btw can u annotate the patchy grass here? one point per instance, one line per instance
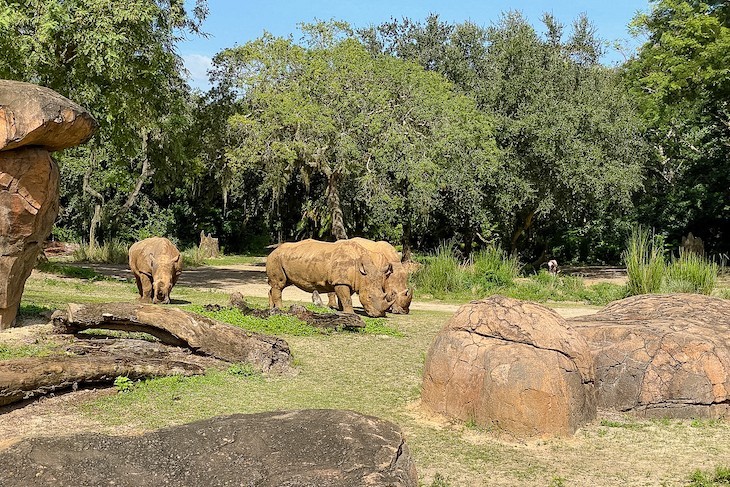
(225, 260)
(379, 374)
(69, 270)
(19, 351)
(288, 325)
(720, 477)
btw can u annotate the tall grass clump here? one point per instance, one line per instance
(192, 257)
(691, 273)
(492, 267)
(441, 274)
(112, 252)
(645, 264)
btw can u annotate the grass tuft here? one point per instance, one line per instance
(691, 273)
(112, 252)
(645, 263)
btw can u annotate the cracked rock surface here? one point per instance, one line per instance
(662, 355)
(310, 448)
(33, 121)
(511, 365)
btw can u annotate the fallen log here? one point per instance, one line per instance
(176, 327)
(29, 377)
(331, 321)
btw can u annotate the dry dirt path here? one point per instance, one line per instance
(250, 280)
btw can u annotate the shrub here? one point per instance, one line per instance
(691, 273)
(645, 264)
(441, 274)
(112, 252)
(492, 267)
(192, 257)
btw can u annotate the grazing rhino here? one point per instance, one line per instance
(156, 265)
(342, 267)
(396, 284)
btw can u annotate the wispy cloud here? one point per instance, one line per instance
(198, 66)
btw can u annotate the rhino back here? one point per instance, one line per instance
(313, 265)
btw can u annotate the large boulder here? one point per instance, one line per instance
(511, 365)
(313, 448)
(662, 355)
(32, 115)
(33, 121)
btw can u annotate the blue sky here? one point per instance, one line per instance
(235, 22)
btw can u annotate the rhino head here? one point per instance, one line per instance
(396, 289)
(165, 271)
(372, 293)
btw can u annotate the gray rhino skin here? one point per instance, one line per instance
(156, 265)
(341, 267)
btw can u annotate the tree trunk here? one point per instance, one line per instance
(96, 219)
(333, 202)
(179, 328)
(406, 240)
(526, 224)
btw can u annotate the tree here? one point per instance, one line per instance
(681, 81)
(381, 130)
(570, 140)
(117, 59)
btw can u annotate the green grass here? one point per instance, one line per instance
(68, 270)
(691, 273)
(112, 252)
(287, 325)
(721, 476)
(19, 351)
(645, 263)
(225, 260)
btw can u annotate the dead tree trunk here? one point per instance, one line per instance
(180, 328)
(333, 202)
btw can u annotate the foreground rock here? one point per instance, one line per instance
(511, 365)
(33, 121)
(315, 448)
(662, 355)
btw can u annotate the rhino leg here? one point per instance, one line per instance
(344, 294)
(275, 297)
(144, 285)
(332, 301)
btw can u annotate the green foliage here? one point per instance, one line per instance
(441, 274)
(645, 263)
(492, 267)
(691, 273)
(492, 271)
(274, 325)
(111, 252)
(123, 383)
(192, 257)
(69, 270)
(379, 326)
(720, 477)
(680, 81)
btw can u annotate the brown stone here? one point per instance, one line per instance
(33, 121)
(662, 355)
(32, 115)
(511, 365)
(29, 199)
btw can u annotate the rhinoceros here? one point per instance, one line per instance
(156, 265)
(341, 267)
(396, 284)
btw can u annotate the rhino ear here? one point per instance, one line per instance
(177, 258)
(361, 267)
(389, 270)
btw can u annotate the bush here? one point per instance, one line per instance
(112, 252)
(441, 274)
(645, 264)
(492, 267)
(192, 257)
(691, 273)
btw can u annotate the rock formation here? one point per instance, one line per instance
(33, 121)
(662, 355)
(511, 365)
(313, 448)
